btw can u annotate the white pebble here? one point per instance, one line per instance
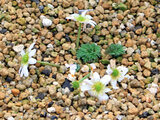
(10, 118)
(51, 109)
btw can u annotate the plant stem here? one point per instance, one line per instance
(81, 80)
(47, 63)
(79, 33)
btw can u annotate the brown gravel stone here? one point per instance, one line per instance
(15, 92)
(2, 95)
(146, 73)
(59, 109)
(129, 43)
(59, 35)
(4, 72)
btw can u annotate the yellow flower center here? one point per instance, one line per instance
(98, 87)
(115, 74)
(25, 59)
(80, 18)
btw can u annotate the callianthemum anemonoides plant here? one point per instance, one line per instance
(96, 86)
(89, 52)
(81, 18)
(26, 60)
(115, 50)
(117, 74)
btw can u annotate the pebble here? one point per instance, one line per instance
(40, 96)
(130, 51)
(144, 115)
(15, 92)
(59, 28)
(95, 38)
(50, 104)
(146, 73)
(86, 39)
(54, 117)
(51, 110)
(135, 83)
(18, 48)
(67, 83)
(3, 30)
(66, 46)
(46, 72)
(10, 118)
(154, 71)
(2, 95)
(8, 79)
(68, 39)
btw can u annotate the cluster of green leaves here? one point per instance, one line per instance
(115, 50)
(89, 52)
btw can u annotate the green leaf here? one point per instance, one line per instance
(89, 53)
(115, 50)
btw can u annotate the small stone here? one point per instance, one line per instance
(135, 84)
(36, 1)
(3, 31)
(91, 102)
(51, 110)
(130, 51)
(21, 21)
(59, 109)
(23, 95)
(4, 72)
(95, 38)
(52, 89)
(18, 48)
(40, 96)
(45, 21)
(43, 114)
(68, 39)
(10, 118)
(8, 79)
(144, 115)
(68, 102)
(146, 73)
(2, 95)
(129, 43)
(154, 71)
(86, 39)
(50, 104)
(59, 35)
(148, 65)
(41, 8)
(59, 28)
(67, 84)
(54, 117)
(66, 46)
(156, 107)
(100, 9)
(46, 72)
(15, 92)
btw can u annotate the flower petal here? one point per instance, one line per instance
(22, 52)
(20, 70)
(32, 61)
(73, 68)
(71, 77)
(109, 70)
(95, 77)
(32, 52)
(105, 79)
(31, 46)
(123, 70)
(85, 87)
(120, 78)
(25, 70)
(84, 12)
(114, 84)
(107, 90)
(88, 17)
(103, 97)
(93, 66)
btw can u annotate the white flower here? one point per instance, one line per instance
(72, 69)
(27, 59)
(117, 74)
(96, 86)
(153, 88)
(82, 18)
(45, 21)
